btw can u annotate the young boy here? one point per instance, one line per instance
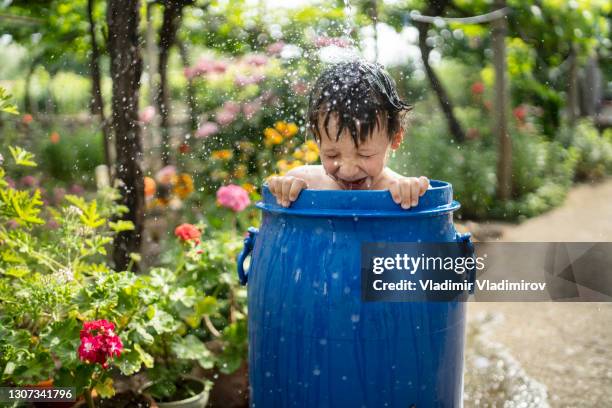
(355, 116)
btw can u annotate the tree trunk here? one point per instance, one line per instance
(97, 102)
(436, 8)
(191, 99)
(572, 88)
(500, 127)
(171, 21)
(126, 68)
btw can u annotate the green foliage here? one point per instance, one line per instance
(5, 104)
(74, 157)
(594, 151)
(542, 170)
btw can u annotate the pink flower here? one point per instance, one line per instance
(205, 66)
(165, 174)
(219, 67)
(256, 59)
(231, 106)
(251, 108)
(300, 88)
(207, 129)
(189, 73)
(29, 181)
(188, 232)
(225, 117)
(275, 48)
(324, 41)
(58, 195)
(146, 115)
(77, 189)
(244, 80)
(233, 197)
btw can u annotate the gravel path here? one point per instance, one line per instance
(565, 346)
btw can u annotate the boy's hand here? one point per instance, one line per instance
(286, 188)
(407, 190)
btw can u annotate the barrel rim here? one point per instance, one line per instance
(363, 203)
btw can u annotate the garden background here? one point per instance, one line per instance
(135, 137)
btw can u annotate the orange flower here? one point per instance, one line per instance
(240, 171)
(225, 154)
(272, 137)
(183, 185)
(249, 187)
(286, 129)
(54, 137)
(311, 156)
(27, 119)
(149, 187)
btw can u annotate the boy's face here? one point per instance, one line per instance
(355, 168)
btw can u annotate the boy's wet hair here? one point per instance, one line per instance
(362, 95)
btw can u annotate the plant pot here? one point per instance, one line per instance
(197, 401)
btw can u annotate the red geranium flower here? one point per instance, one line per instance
(99, 342)
(478, 88)
(520, 113)
(188, 232)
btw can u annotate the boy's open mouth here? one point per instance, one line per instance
(353, 185)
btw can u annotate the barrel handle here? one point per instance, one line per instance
(249, 243)
(467, 239)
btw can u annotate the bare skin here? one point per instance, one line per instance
(345, 166)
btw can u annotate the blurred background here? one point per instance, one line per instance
(179, 98)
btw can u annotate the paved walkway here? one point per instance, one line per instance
(565, 346)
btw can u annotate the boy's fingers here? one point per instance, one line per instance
(414, 190)
(286, 188)
(394, 189)
(423, 184)
(273, 186)
(297, 186)
(406, 193)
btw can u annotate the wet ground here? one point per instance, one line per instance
(544, 354)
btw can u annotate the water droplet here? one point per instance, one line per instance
(323, 342)
(355, 318)
(316, 371)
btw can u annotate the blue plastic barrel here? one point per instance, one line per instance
(312, 341)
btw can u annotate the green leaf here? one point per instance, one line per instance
(129, 362)
(17, 271)
(20, 206)
(106, 388)
(207, 305)
(6, 106)
(145, 357)
(162, 322)
(22, 157)
(190, 348)
(121, 225)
